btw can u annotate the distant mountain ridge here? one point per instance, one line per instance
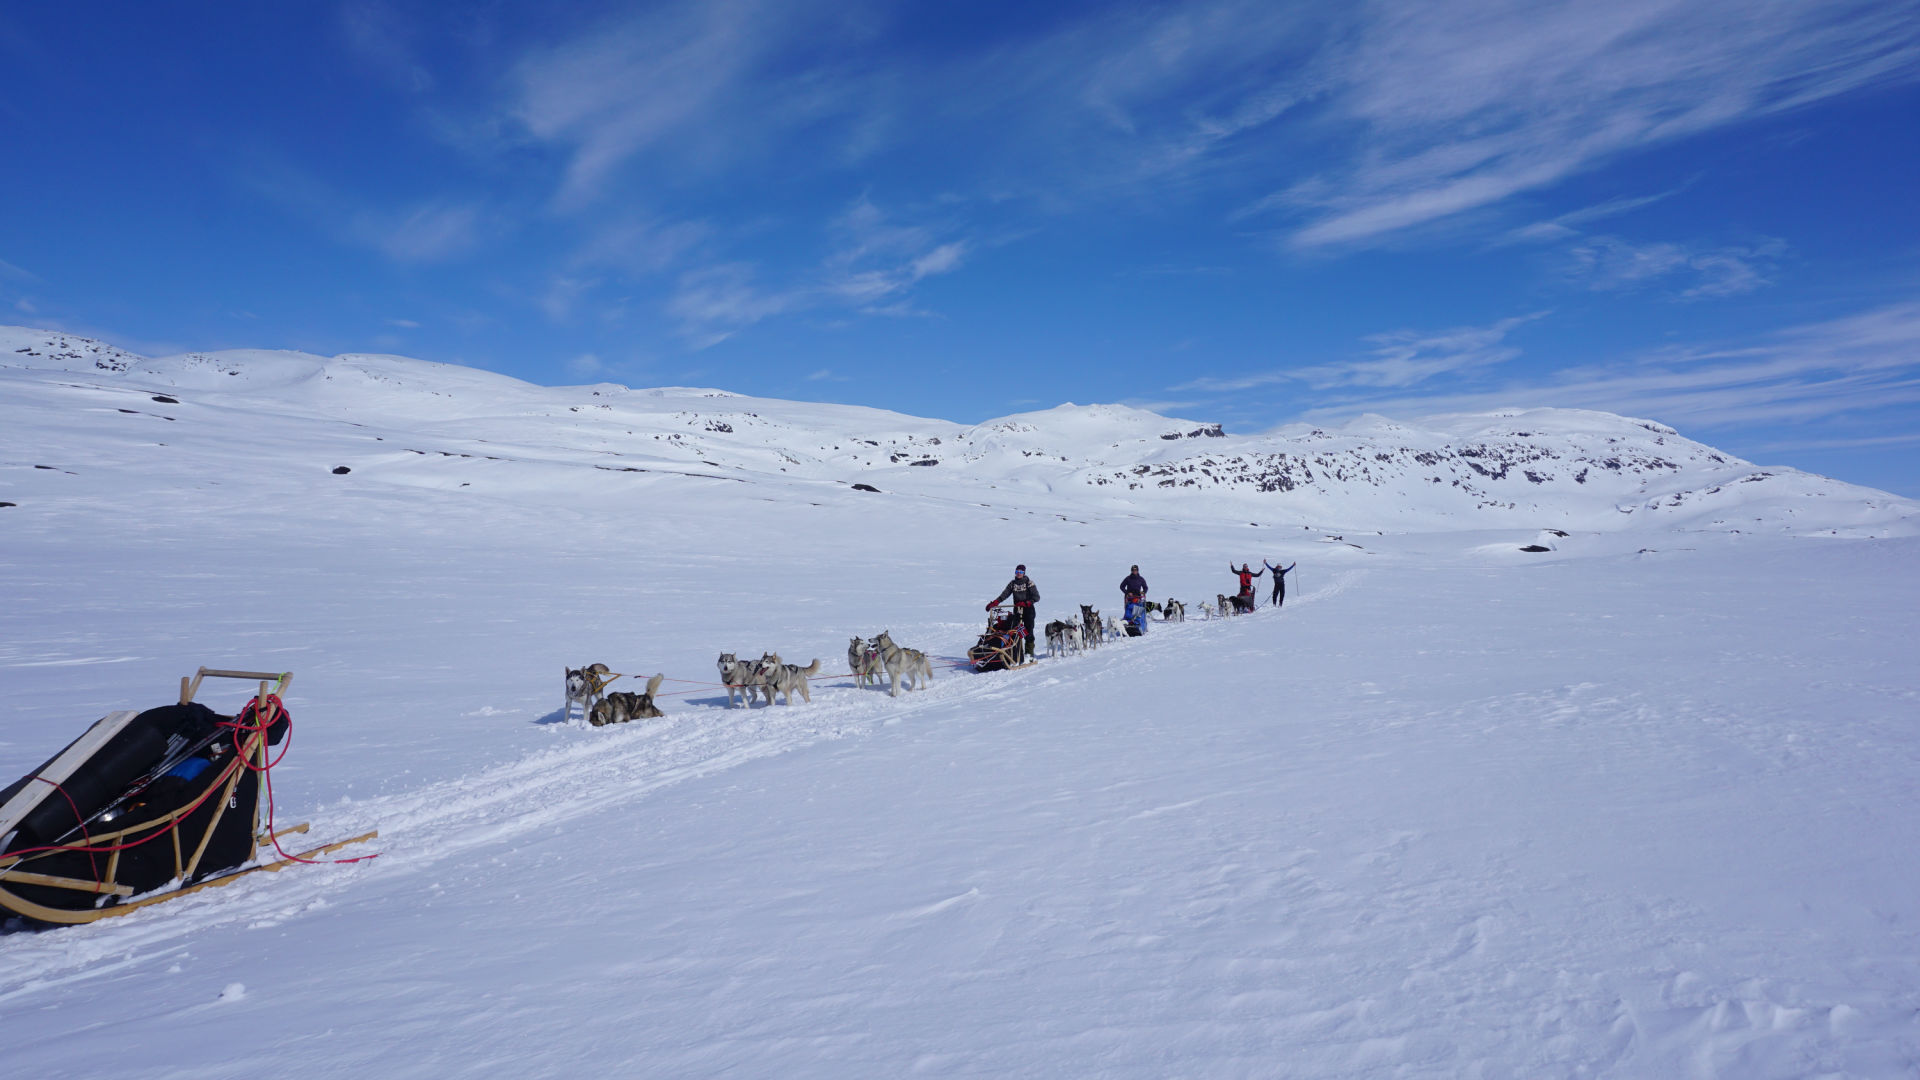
(1541, 468)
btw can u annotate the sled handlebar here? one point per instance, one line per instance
(190, 685)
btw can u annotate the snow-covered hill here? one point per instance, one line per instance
(1636, 805)
(1536, 468)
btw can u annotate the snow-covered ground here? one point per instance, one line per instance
(1642, 804)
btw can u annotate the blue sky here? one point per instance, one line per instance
(1699, 211)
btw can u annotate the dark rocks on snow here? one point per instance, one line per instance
(165, 400)
(341, 470)
(6, 504)
(866, 487)
(1535, 547)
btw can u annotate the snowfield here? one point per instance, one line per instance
(1641, 804)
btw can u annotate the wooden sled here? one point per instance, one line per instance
(999, 648)
(145, 807)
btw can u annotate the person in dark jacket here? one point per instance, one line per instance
(1134, 588)
(1024, 594)
(1279, 581)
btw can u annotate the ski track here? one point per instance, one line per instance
(421, 829)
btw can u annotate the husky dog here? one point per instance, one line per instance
(864, 661)
(1150, 607)
(1206, 611)
(1063, 636)
(784, 678)
(1114, 630)
(585, 687)
(1090, 626)
(1173, 611)
(619, 707)
(742, 677)
(910, 663)
(1056, 639)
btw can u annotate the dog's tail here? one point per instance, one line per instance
(811, 669)
(653, 684)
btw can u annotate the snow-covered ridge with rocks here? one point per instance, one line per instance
(1544, 468)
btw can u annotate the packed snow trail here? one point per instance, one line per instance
(597, 770)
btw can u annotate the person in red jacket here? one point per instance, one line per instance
(1244, 601)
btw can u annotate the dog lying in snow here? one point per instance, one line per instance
(619, 707)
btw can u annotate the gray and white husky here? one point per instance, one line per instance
(785, 678)
(741, 677)
(619, 707)
(903, 662)
(864, 661)
(1173, 611)
(1090, 626)
(585, 687)
(1063, 636)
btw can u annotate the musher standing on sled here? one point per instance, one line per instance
(1279, 581)
(1134, 588)
(1247, 574)
(1025, 594)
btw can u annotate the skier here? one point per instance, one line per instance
(1279, 581)
(1134, 588)
(1244, 601)
(1025, 594)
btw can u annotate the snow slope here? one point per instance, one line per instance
(1638, 805)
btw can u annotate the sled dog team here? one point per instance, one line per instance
(869, 660)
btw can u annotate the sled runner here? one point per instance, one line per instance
(144, 800)
(999, 648)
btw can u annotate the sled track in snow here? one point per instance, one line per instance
(421, 829)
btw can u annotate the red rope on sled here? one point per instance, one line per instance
(84, 835)
(276, 711)
(241, 728)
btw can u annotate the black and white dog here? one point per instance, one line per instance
(585, 687)
(619, 707)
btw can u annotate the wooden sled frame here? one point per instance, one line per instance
(1007, 655)
(118, 898)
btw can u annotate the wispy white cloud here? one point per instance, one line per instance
(426, 233)
(1609, 264)
(1398, 359)
(1855, 365)
(873, 267)
(701, 81)
(1455, 108)
(378, 35)
(1562, 227)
